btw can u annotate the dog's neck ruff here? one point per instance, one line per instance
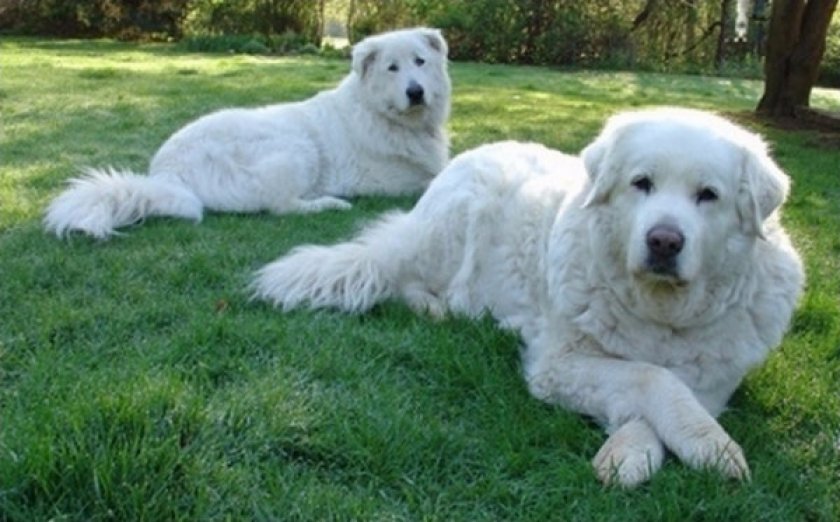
(677, 304)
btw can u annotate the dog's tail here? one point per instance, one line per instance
(105, 199)
(351, 276)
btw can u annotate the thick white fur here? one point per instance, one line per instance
(554, 246)
(363, 137)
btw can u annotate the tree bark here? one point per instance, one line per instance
(690, 28)
(795, 47)
(351, 19)
(642, 17)
(721, 43)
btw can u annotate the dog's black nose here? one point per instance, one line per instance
(414, 93)
(665, 241)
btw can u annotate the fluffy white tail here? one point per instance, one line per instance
(351, 276)
(104, 200)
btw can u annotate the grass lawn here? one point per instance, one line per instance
(137, 382)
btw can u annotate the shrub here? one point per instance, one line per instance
(89, 18)
(266, 17)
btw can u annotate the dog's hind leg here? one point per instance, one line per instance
(460, 294)
(284, 180)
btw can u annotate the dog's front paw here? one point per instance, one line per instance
(626, 467)
(630, 456)
(717, 450)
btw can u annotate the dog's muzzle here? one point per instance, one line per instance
(415, 94)
(664, 244)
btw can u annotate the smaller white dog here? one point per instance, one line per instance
(381, 131)
(646, 278)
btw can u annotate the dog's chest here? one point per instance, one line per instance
(729, 341)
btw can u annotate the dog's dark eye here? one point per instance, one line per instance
(643, 183)
(393, 67)
(419, 61)
(706, 194)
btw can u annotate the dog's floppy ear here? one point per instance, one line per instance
(596, 162)
(364, 55)
(435, 40)
(762, 190)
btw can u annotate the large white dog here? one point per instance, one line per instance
(381, 131)
(646, 278)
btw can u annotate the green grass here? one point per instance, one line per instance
(137, 382)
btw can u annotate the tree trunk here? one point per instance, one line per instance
(322, 22)
(795, 47)
(690, 29)
(535, 16)
(642, 17)
(721, 43)
(351, 19)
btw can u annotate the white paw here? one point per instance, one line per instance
(717, 451)
(329, 203)
(311, 206)
(628, 458)
(460, 299)
(425, 303)
(340, 204)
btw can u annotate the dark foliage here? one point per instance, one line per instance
(126, 19)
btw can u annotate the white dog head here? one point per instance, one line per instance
(405, 75)
(689, 190)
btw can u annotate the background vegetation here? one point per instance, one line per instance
(663, 35)
(137, 382)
